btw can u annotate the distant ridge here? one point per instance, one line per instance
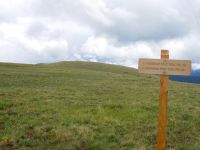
(194, 78)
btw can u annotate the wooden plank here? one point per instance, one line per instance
(163, 103)
(165, 66)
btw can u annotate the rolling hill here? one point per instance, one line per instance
(84, 105)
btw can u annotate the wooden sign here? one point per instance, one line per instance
(164, 67)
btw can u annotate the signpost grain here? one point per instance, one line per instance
(164, 67)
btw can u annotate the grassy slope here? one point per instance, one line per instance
(79, 105)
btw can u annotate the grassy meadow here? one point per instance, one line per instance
(92, 106)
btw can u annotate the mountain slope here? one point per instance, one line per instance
(82, 105)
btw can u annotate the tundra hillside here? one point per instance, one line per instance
(84, 105)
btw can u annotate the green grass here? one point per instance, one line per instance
(82, 105)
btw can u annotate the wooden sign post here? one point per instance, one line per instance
(164, 67)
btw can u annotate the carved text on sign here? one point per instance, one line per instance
(165, 66)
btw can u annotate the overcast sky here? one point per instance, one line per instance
(111, 31)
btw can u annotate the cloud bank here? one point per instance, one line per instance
(111, 31)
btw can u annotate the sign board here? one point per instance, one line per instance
(165, 66)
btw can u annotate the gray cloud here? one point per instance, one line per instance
(37, 29)
(127, 21)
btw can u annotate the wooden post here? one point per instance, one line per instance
(164, 67)
(162, 120)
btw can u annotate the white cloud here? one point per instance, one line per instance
(113, 31)
(97, 11)
(196, 66)
(108, 49)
